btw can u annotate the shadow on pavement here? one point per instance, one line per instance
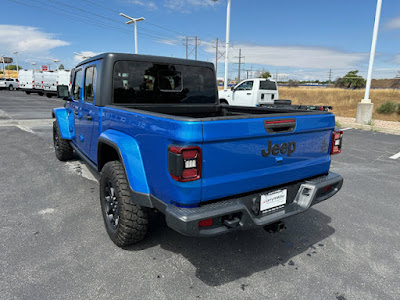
(222, 259)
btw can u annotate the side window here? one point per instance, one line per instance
(76, 90)
(245, 86)
(90, 81)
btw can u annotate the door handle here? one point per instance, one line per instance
(248, 93)
(87, 117)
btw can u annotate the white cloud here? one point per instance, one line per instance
(28, 39)
(187, 6)
(85, 54)
(297, 56)
(170, 41)
(396, 59)
(148, 4)
(393, 23)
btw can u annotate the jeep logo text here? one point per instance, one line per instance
(276, 148)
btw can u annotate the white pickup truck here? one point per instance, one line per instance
(250, 92)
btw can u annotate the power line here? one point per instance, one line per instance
(79, 18)
(152, 24)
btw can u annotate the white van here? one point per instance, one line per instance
(53, 78)
(31, 81)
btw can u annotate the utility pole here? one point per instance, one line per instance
(276, 76)
(218, 55)
(134, 21)
(195, 47)
(330, 76)
(240, 63)
(187, 45)
(191, 46)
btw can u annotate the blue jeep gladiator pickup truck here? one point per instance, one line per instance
(153, 128)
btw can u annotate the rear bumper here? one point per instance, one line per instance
(243, 212)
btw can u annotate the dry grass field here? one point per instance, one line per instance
(344, 101)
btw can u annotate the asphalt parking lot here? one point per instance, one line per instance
(54, 245)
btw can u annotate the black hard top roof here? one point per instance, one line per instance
(147, 58)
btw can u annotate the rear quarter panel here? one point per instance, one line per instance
(154, 135)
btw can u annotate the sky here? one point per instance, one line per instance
(292, 39)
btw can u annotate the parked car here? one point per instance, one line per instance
(9, 83)
(154, 130)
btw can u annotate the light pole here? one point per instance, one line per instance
(56, 61)
(4, 69)
(365, 107)
(228, 25)
(134, 21)
(16, 56)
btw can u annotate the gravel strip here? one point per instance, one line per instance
(377, 125)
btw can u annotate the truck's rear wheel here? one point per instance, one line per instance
(126, 223)
(62, 147)
(27, 92)
(11, 88)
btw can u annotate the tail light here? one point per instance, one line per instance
(337, 137)
(184, 163)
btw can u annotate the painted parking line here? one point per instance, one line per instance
(344, 129)
(396, 156)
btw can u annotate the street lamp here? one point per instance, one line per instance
(365, 107)
(4, 69)
(228, 25)
(133, 20)
(56, 61)
(81, 55)
(16, 55)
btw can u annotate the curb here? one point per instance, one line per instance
(370, 128)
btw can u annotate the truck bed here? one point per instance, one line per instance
(215, 112)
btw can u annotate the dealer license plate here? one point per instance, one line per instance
(273, 200)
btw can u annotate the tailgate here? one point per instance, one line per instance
(244, 155)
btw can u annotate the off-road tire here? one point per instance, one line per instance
(133, 219)
(62, 147)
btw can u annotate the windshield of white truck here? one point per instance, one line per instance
(144, 82)
(267, 85)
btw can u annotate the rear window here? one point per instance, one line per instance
(145, 82)
(267, 85)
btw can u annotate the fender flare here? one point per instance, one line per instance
(223, 100)
(130, 156)
(63, 121)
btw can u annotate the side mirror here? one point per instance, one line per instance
(62, 92)
(232, 88)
